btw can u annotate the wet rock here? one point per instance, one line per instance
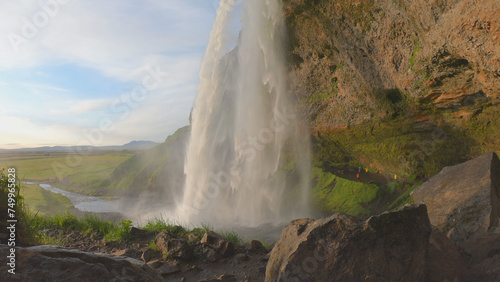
(388, 247)
(175, 248)
(463, 200)
(52, 263)
(218, 243)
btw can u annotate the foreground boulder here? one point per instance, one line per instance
(463, 200)
(444, 261)
(173, 247)
(52, 263)
(483, 253)
(218, 243)
(388, 247)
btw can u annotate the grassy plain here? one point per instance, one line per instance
(72, 172)
(85, 168)
(43, 202)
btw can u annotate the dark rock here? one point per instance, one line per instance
(52, 263)
(140, 234)
(255, 246)
(487, 270)
(123, 244)
(482, 247)
(176, 248)
(444, 261)
(168, 268)
(388, 247)
(224, 278)
(463, 200)
(212, 255)
(150, 254)
(128, 253)
(218, 243)
(156, 263)
(241, 257)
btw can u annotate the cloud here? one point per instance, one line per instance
(105, 35)
(37, 87)
(22, 132)
(120, 41)
(78, 107)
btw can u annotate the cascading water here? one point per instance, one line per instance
(247, 159)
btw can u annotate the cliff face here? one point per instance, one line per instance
(354, 62)
(352, 58)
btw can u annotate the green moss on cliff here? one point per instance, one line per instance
(402, 144)
(335, 194)
(413, 57)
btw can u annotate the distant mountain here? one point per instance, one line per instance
(139, 145)
(133, 146)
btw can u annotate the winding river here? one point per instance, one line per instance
(85, 203)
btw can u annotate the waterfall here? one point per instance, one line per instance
(247, 161)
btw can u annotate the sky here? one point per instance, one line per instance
(93, 72)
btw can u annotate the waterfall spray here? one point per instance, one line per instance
(247, 159)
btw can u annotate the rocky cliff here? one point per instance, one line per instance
(394, 74)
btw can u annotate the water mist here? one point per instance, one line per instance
(248, 159)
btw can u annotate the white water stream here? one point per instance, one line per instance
(245, 130)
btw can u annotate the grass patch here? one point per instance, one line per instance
(12, 203)
(89, 224)
(91, 179)
(404, 199)
(334, 194)
(231, 236)
(44, 202)
(159, 225)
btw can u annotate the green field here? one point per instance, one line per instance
(71, 172)
(43, 202)
(58, 166)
